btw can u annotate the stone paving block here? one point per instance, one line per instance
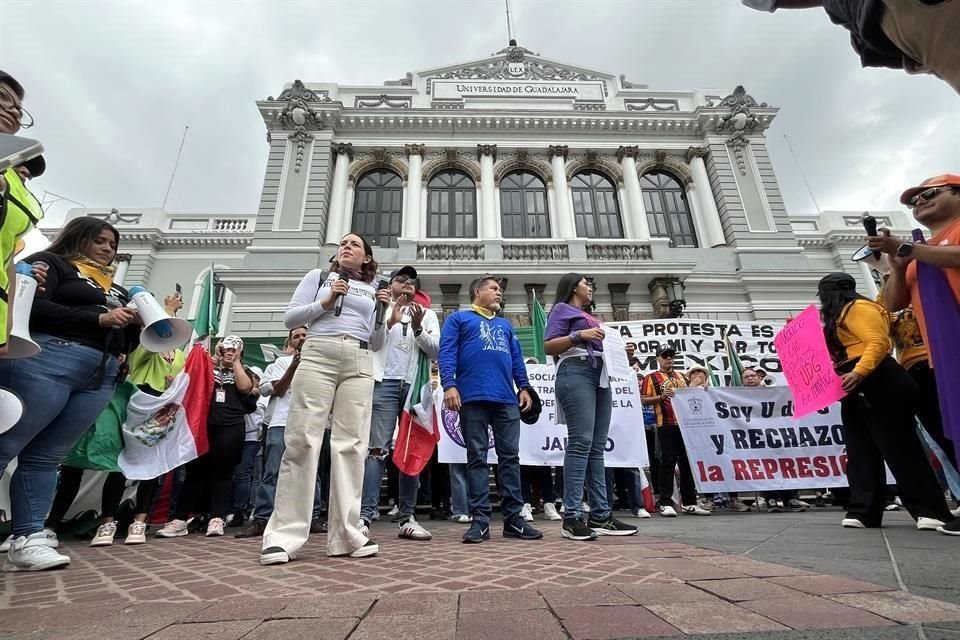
(593, 595)
(669, 593)
(242, 608)
(753, 568)
(602, 623)
(809, 612)
(353, 605)
(901, 606)
(742, 589)
(314, 629)
(822, 585)
(539, 624)
(686, 569)
(420, 604)
(520, 600)
(409, 627)
(714, 617)
(206, 630)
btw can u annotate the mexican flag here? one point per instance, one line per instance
(207, 322)
(538, 319)
(736, 367)
(163, 432)
(419, 432)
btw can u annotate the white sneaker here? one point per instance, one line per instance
(364, 528)
(394, 511)
(641, 513)
(105, 533)
(761, 502)
(797, 506)
(33, 553)
(526, 512)
(585, 508)
(893, 506)
(6, 544)
(411, 529)
(955, 512)
(929, 524)
(462, 518)
(173, 529)
(215, 527)
(852, 523)
(136, 533)
(550, 511)
(51, 537)
(666, 511)
(695, 510)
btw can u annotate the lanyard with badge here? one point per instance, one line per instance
(220, 394)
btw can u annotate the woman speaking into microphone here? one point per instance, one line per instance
(83, 325)
(336, 372)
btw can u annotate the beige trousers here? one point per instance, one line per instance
(928, 34)
(334, 374)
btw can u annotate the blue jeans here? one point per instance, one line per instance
(587, 407)
(505, 420)
(458, 490)
(243, 476)
(388, 399)
(58, 410)
(272, 454)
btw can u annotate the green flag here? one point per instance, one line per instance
(714, 379)
(736, 367)
(539, 321)
(207, 322)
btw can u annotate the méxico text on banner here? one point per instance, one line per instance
(543, 443)
(745, 439)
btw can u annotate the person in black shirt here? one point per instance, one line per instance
(82, 323)
(212, 473)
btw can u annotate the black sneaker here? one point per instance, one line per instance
(951, 528)
(477, 533)
(254, 530)
(274, 555)
(575, 529)
(318, 526)
(517, 528)
(611, 527)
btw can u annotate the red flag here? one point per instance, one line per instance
(419, 432)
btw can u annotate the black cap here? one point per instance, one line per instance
(408, 271)
(536, 407)
(837, 282)
(667, 352)
(36, 166)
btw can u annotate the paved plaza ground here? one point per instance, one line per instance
(724, 576)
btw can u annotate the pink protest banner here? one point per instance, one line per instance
(806, 364)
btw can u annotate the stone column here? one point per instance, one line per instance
(631, 182)
(619, 301)
(487, 154)
(564, 216)
(411, 226)
(710, 225)
(337, 226)
(122, 262)
(450, 299)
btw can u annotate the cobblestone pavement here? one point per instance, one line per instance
(640, 586)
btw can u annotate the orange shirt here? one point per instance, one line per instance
(949, 236)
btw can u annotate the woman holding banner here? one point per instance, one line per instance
(575, 339)
(878, 411)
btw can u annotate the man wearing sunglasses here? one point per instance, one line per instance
(927, 275)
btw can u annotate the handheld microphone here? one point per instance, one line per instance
(381, 307)
(870, 226)
(338, 305)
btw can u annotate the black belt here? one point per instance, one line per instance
(3, 295)
(365, 345)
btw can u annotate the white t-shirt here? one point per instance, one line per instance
(252, 421)
(280, 406)
(355, 320)
(400, 347)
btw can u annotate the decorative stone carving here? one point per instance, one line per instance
(557, 150)
(534, 291)
(383, 101)
(378, 158)
(739, 121)
(652, 103)
(451, 158)
(619, 252)
(522, 159)
(116, 218)
(298, 91)
(589, 106)
(450, 253)
(343, 148)
(301, 136)
(632, 151)
(231, 225)
(415, 149)
(123, 257)
(661, 160)
(590, 159)
(450, 300)
(542, 252)
(695, 152)
(619, 300)
(299, 117)
(487, 150)
(626, 84)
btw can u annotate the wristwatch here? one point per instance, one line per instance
(904, 250)
(417, 332)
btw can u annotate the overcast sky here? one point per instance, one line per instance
(112, 85)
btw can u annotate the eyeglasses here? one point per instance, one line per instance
(8, 100)
(403, 279)
(926, 195)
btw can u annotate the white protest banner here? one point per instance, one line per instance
(700, 342)
(745, 439)
(543, 443)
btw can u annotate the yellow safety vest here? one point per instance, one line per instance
(20, 212)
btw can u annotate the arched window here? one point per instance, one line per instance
(451, 205)
(523, 206)
(668, 212)
(595, 208)
(377, 207)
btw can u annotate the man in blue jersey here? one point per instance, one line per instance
(480, 362)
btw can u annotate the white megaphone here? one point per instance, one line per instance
(11, 409)
(161, 333)
(20, 345)
(868, 256)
